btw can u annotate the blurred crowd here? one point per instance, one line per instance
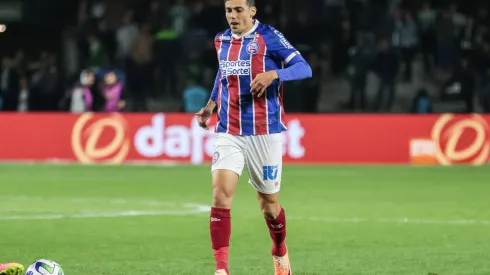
(163, 51)
(452, 44)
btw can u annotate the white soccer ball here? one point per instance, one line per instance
(44, 267)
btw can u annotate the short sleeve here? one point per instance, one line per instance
(279, 46)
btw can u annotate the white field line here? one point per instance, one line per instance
(131, 213)
(201, 209)
(186, 209)
(93, 200)
(193, 209)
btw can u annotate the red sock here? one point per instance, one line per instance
(277, 229)
(220, 227)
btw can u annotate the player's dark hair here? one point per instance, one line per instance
(250, 3)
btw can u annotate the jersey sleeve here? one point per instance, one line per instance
(215, 91)
(279, 47)
(217, 42)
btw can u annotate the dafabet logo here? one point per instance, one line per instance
(461, 139)
(103, 139)
(114, 139)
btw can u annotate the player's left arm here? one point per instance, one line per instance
(296, 67)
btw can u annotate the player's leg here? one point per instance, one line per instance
(264, 161)
(228, 163)
(11, 269)
(275, 219)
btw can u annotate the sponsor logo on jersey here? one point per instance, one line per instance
(238, 67)
(283, 40)
(270, 172)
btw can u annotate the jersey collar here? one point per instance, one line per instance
(256, 24)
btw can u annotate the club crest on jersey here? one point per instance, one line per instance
(215, 157)
(253, 47)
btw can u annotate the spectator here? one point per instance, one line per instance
(142, 72)
(179, 15)
(155, 15)
(109, 66)
(98, 10)
(359, 66)
(9, 85)
(312, 86)
(24, 95)
(107, 38)
(426, 18)
(97, 52)
(166, 58)
(483, 75)
(386, 67)
(343, 41)
(44, 92)
(80, 97)
(112, 90)
(445, 34)
(461, 85)
(125, 36)
(422, 103)
(195, 96)
(408, 44)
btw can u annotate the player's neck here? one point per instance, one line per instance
(248, 29)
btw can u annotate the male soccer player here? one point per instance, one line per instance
(11, 269)
(248, 96)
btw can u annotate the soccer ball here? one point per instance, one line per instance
(44, 267)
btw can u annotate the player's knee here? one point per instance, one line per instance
(222, 198)
(269, 204)
(224, 185)
(271, 211)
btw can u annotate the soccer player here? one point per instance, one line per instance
(11, 269)
(254, 60)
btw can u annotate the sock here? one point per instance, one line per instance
(220, 228)
(277, 229)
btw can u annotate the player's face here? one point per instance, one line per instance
(239, 15)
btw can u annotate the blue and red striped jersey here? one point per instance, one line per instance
(241, 59)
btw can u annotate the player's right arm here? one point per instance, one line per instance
(214, 93)
(205, 113)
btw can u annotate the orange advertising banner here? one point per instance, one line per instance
(445, 139)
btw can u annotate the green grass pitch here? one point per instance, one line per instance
(154, 220)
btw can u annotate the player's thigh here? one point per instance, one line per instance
(264, 161)
(227, 167)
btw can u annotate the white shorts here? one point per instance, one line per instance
(262, 154)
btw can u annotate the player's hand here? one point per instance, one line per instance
(261, 82)
(202, 117)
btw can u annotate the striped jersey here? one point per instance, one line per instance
(241, 59)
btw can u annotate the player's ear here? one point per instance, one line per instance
(253, 11)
